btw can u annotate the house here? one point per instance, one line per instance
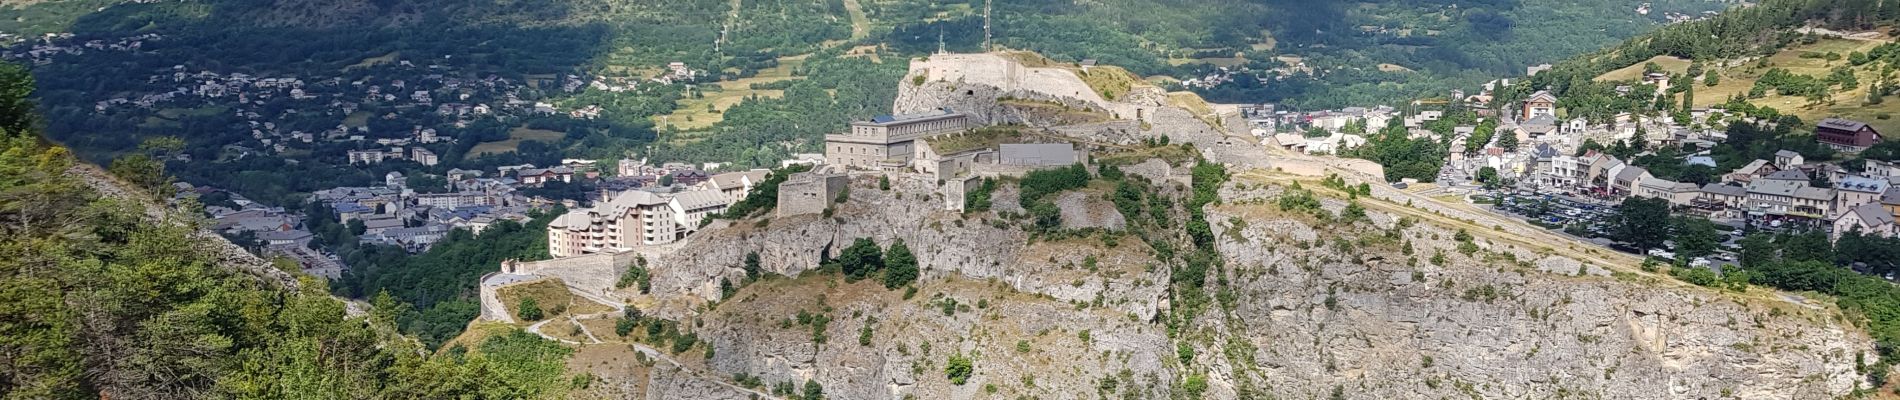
(424, 156)
(285, 239)
(736, 185)
(257, 220)
(539, 176)
(1844, 135)
(1540, 103)
(1575, 126)
(1602, 169)
(692, 208)
(1628, 179)
(1539, 126)
(378, 225)
(1868, 219)
(1749, 172)
(1718, 201)
(350, 211)
(1813, 202)
(1676, 193)
(1788, 159)
(690, 177)
(1535, 69)
(1774, 194)
(1854, 191)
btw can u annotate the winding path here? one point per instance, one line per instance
(649, 351)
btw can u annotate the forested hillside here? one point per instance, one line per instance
(99, 301)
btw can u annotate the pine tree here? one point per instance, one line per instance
(900, 265)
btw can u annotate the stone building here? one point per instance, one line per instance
(809, 193)
(888, 143)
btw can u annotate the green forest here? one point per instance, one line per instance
(99, 301)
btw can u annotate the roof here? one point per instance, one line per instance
(1781, 188)
(700, 199)
(1656, 183)
(1725, 190)
(1038, 154)
(562, 170)
(1631, 174)
(1870, 214)
(1814, 193)
(1842, 124)
(1700, 160)
(1752, 167)
(1542, 95)
(575, 218)
(283, 235)
(635, 198)
(1543, 120)
(1862, 184)
(731, 180)
(905, 118)
(382, 223)
(1788, 175)
(1786, 154)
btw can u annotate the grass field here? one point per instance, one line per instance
(168, 118)
(693, 113)
(515, 137)
(1109, 81)
(374, 61)
(357, 119)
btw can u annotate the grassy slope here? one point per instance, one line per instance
(1738, 79)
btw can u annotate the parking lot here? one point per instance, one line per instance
(1590, 220)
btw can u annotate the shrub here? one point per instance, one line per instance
(529, 310)
(958, 369)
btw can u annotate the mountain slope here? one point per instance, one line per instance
(104, 295)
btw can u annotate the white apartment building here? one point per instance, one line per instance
(633, 218)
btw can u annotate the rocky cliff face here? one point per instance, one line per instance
(1298, 306)
(1325, 308)
(1314, 307)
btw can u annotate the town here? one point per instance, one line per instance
(1526, 155)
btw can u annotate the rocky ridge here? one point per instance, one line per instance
(1386, 307)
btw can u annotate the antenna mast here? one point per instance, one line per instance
(986, 25)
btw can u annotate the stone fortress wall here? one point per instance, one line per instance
(1013, 79)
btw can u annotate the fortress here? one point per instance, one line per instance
(889, 143)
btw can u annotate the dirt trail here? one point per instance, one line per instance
(618, 309)
(860, 23)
